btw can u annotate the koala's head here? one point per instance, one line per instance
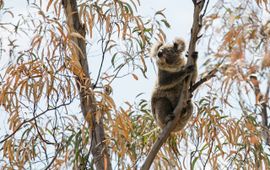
(169, 56)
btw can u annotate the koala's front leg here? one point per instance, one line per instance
(194, 55)
(164, 111)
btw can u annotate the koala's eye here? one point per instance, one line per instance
(175, 46)
(159, 54)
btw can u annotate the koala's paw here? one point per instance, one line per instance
(195, 55)
(169, 118)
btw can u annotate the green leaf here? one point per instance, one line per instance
(160, 12)
(166, 23)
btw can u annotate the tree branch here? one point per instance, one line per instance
(211, 74)
(262, 100)
(196, 27)
(87, 98)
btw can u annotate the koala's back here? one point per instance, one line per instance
(172, 93)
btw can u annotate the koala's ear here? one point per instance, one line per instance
(179, 44)
(155, 48)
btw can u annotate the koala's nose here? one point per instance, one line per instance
(159, 54)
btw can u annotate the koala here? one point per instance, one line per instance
(172, 74)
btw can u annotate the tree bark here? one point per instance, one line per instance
(87, 99)
(262, 101)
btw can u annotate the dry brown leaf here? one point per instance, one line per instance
(135, 76)
(98, 116)
(49, 4)
(254, 140)
(266, 60)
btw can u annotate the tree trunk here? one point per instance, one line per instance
(87, 98)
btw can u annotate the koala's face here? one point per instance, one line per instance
(169, 57)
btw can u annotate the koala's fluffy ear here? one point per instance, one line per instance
(179, 44)
(155, 48)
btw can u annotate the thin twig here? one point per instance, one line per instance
(205, 9)
(211, 74)
(33, 118)
(54, 158)
(104, 50)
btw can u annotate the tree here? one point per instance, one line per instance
(53, 73)
(59, 105)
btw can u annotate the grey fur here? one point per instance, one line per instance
(172, 73)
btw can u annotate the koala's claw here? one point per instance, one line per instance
(169, 118)
(194, 54)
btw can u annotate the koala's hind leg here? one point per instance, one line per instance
(185, 116)
(164, 111)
